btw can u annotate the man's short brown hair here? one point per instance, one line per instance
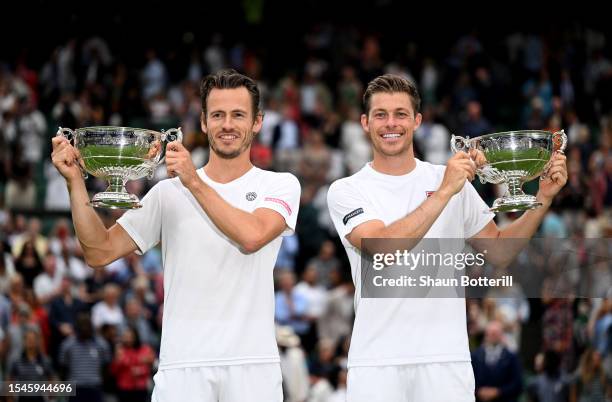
(390, 83)
(229, 79)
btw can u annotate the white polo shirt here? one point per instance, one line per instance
(218, 301)
(392, 331)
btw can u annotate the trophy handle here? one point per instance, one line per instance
(559, 138)
(72, 137)
(173, 134)
(459, 143)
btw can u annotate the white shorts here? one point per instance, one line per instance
(238, 383)
(428, 382)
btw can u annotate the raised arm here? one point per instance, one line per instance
(416, 224)
(100, 245)
(522, 229)
(250, 230)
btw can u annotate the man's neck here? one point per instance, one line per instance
(224, 170)
(397, 165)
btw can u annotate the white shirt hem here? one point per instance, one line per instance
(220, 362)
(399, 361)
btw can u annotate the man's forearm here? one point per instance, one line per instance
(527, 225)
(416, 224)
(511, 240)
(88, 226)
(240, 226)
(410, 228)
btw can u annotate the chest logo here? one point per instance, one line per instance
(250, 196)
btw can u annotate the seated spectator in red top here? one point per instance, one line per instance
(132, 367)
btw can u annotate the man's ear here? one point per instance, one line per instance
(203, 123)
(417, 120)
(364, 123)
(258, 122)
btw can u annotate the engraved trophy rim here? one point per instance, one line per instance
(118, 128)
(515, 132)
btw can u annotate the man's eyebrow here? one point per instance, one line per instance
(231, 111)
(402, 109)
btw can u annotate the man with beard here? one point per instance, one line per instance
(414, 349)
(220, 228)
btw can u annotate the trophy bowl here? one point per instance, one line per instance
(119, 154)
(513, 158)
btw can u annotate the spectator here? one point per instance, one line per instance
(28, 264)
(63, 311)
(7, 269)
(135, 319)
(354, 143)
(316, 160)
(32, 365)
(32, 234)
(17, 329)
(433, 138)
(20, 192)
(291, 306)
(316, 300)
(325, 262)
(92, 292)
(497, 370)
(590, 384)
(475, 123)
(337, 320)
(47, 284)
(132, 367)
(40, 318)
(83, 358)
(149, 303)
(71, 265)
(154, 75)
(293, 365)
(286, 254)
(551, 384)
(108, 310)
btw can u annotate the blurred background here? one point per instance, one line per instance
(87, 64)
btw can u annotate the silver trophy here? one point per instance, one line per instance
(119, 154)
(513, 158)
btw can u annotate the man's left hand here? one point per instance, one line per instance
(555, 179)
(179, 164)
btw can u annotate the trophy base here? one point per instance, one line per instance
(115, 200)
(515, 203)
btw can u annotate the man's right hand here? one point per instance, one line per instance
(458, 169)
(66, 159)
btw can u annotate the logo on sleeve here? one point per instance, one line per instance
(251, 196)
(280, 202)
(351, 215)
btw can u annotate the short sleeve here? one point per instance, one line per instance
(475, 211)
(143, 225)
(348, 208)
(282, 195)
